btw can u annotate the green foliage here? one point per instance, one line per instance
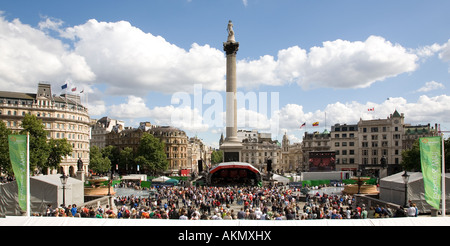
(39, 148)
(5, 163)
(217, 156)
(151, 154)
(411, 158)
(58, 149)
(112, 153)
(97, 162)
(126, 158)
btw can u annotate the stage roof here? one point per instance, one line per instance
(229, 165)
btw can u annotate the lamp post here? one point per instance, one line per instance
(109, 182)
(405, 177)
(64, 179)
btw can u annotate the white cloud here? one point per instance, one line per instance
(134, 62)
(337, 64)
(182, 117)
(432, 85)
(29, 55)
(445, 51)
(135, 107)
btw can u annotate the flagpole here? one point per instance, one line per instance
(28, 176)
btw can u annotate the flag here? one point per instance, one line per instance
(371, 109)
(64, 86)
(18, 156)
(304, 124)
(74, 88)
(316, 123)
(430, 159)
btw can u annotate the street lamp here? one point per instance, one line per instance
(405, 177)
(109, 182)
(64, 179)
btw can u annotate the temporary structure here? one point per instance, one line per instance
(45, 190)
(161, 179)
(392, 189)
(280, 179)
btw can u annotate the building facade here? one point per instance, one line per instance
(176, 145)
(199, 156)
(100, 128)
(63, 117)
(314, 142)
(291, 156)
(258, 148)
(375, 146)
(344, 140)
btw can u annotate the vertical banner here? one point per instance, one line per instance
(430, 158)
(18, 156)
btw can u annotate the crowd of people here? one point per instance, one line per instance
(231, 203)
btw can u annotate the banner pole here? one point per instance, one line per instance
(443, 176)
(28, 176)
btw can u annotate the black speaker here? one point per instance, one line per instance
(200, 166)
(269, 165)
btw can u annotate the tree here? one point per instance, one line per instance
(58, 148)
(217, 156)
(39, 148)
(152, 150)
(5, 163)
(126, 158)
(97, 162)
(112, 153)
(411, 158)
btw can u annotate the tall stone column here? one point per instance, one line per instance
(231, 49)
(231, 146)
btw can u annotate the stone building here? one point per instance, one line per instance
(100, 128)
(199, 156)
(344, 140)
(291, 156)
(258, 148)
(364, 145)
(176, 144)
(313, 142)
(63, 116)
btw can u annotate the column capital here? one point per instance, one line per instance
(231, 48)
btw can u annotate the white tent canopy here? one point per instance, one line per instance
(161, 179)
(280, 179)
(392, 189)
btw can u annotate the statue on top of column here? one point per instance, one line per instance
(230, 32)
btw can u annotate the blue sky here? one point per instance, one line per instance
(312, 58)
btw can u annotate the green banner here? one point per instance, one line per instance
(18, 156)
(430, 158)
